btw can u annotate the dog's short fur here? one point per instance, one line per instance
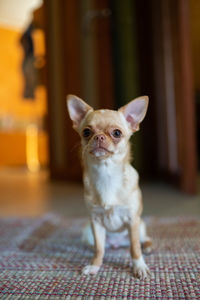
(111, 187)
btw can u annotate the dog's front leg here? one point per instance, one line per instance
(99, 234)
(140, 268)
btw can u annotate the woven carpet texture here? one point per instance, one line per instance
(42, 258)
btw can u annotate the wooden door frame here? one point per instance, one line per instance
(63, 77)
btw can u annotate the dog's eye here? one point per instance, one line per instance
(117, 133)
(87, 132)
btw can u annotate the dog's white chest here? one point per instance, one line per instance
(107, 180)
(113, 218)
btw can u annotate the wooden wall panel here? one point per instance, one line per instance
(63, 75)
(104, 54)
(174, 93)
(185, 99)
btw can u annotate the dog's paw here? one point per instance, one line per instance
(140, 269)
(90, 270)
(147, 247)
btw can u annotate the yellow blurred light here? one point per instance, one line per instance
(32, 148)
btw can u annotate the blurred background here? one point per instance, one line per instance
(106, 52)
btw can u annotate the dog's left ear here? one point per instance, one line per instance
(77, 109)
(135, 111)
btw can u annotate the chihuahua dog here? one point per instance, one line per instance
(111, 189)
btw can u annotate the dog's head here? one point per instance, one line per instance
(104, 132)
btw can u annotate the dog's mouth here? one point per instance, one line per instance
(100, 151)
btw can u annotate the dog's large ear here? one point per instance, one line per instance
(135, 111)
(77, 109)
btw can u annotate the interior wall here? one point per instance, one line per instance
(12, 82)
(16, 113)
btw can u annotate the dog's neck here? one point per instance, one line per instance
(106, 176)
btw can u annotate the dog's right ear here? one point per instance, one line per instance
(77, 109)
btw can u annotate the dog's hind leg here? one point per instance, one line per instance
(145, 240)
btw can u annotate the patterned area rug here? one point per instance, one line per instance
(42, 259)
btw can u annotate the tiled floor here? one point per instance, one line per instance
(26, 194)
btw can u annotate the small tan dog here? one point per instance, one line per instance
(111, 186)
